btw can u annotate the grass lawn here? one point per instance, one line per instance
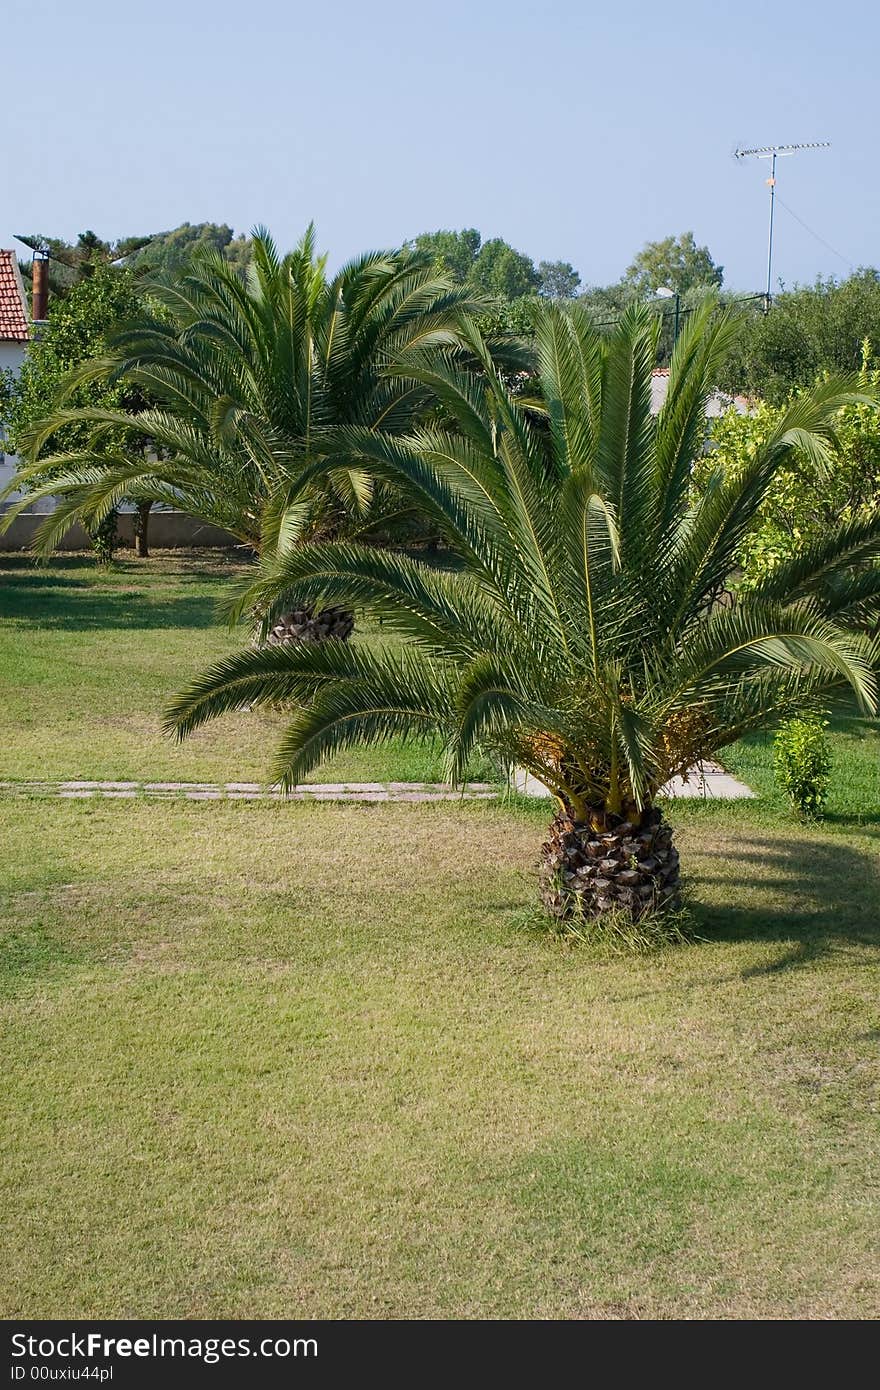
(296, 1060)
(89, 659)
(315, 1060)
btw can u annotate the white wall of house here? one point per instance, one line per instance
(12, 356)
(718, 403)
(11, 359)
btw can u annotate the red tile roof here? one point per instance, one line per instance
(14, 322)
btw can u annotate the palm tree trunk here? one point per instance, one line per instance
(306, 625)
(141, 530)
(633, 868)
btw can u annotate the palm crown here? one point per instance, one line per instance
(248, 376)
(589, 635)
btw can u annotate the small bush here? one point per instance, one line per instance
(104, 539)
(802, 764)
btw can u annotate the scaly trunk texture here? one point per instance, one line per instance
(305, 625)
(585, 872)
(142, 530)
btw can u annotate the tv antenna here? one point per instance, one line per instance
(774, 152)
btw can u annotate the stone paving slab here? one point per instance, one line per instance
(366, 792)
(104, 786)
(175, 786)
(715, 785)
(708, 781)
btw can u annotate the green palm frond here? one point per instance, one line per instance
(345, 693)
(251, 381)
(592, 633)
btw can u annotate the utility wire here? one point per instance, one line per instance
(683, 312)
(827, 244)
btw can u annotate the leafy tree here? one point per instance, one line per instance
(492, 267)
(510, 319)
(809, 329)
(557, 280)
(503, 272)
(454, 253)
(250, 379)
(77, 331)
(582, 638)
(808, 496)
(606, 303)
(675, 262)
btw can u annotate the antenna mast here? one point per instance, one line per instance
(772, 152)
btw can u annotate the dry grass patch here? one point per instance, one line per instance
(288, 1060)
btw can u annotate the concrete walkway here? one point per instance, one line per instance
(255, 791)
(706, 780)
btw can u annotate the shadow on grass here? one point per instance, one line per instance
(24, 562)
(868, 822)
(48, 601)
(826, 904)
(825, 895)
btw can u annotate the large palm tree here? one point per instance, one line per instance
(250, 375)
(592, 635)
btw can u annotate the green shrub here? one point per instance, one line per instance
(802, 763)
(806, 497)
(104, 539)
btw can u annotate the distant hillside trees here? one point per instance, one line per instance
(170, 251)
(73, 261)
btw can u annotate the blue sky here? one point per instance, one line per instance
(576, 131)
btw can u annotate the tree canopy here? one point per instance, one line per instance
(78, 328)
(248, 378)
(501, 271)
(493, 267)
(676, 263)
(452, 252)
(808, 496)
(80, 324)
(558, 280)
(170, 251)
(809, 329)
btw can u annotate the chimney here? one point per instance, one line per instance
(40, 288)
